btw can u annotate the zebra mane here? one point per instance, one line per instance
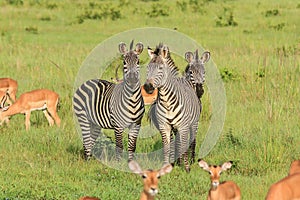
(170, 62)
(131, 45)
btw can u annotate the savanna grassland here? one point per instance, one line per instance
(254, 44)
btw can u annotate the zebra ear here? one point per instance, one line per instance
(139, 48)
(205, 57)
(189, 56)
(122, 48)
(150, 52)
(165, 51)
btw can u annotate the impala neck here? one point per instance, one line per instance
(146, 196)
(12, 110)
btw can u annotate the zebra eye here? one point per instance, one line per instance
(124, 62)
(138, 62)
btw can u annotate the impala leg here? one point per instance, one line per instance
(49, 118)
(54, 115)
(27, 120)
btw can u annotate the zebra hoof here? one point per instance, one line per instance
(188, 170)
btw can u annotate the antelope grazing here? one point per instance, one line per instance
(227, 190)
(288, 187)
(148, 98)
(10, 87)
(42, 99)
(150, 178)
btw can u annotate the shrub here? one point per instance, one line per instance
(273, 12)
(158, 10)
(226, 18)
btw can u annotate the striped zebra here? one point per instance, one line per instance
(177, 109)
(195, 71)
(102, 104)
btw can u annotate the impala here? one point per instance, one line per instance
(150, 178)
(227, 190)
(288, 187)
(10, 87)
(41, 99)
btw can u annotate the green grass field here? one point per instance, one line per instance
(254, 44)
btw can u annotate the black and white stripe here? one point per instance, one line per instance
(177, 108)
(101, 104)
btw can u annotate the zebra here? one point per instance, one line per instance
(195, 71)
(102, 104)
(177, 107)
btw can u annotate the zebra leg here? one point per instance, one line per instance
(132, 138)
(193, 135)
(165, 134)
(177, 150)
(88, 143)
(172, 149)
(119, 143)
(184, 148)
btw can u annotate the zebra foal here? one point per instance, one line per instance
(101, 104)
(177, 108)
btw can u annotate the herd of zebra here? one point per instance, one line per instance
(100, 104)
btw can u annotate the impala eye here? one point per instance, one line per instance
(144, 176)
(158, 177)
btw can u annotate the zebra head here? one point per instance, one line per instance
(157, 70)
(131, 69)
(195, 71)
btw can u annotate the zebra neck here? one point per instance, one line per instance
(169, 89)
(133, 92)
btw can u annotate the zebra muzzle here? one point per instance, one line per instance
(149, 88)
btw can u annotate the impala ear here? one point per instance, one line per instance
(122, 48)
(203, 165)
(165, 169)
(226, 165)
(139, 48)
(135, 167)
(189, 56)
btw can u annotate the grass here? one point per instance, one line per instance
(44, 43)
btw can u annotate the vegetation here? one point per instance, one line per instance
(255, 44)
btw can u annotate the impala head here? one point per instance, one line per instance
(214, 171)
(131, 63)
(157, 69)
(195, 70)
(150, 177)
(295, 167)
